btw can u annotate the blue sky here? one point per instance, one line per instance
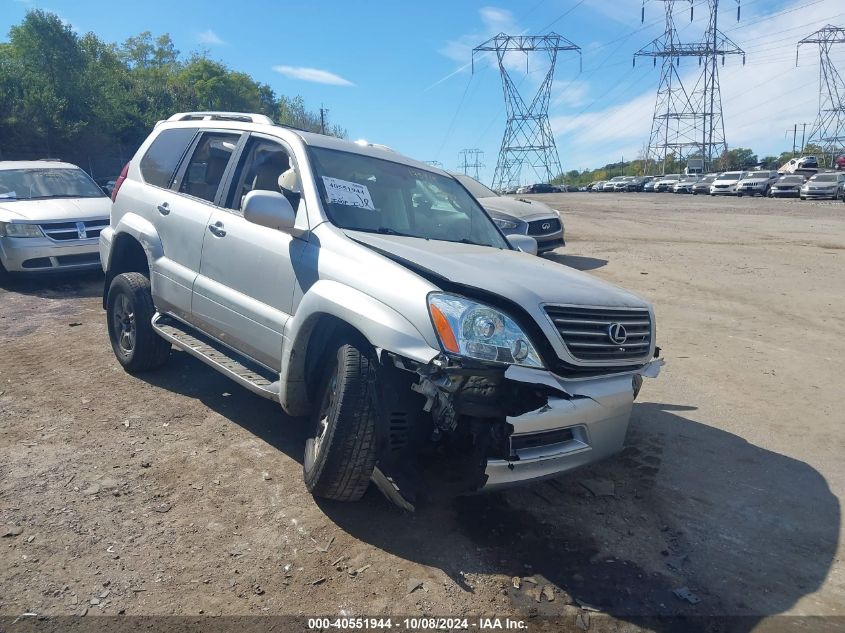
(397, 72)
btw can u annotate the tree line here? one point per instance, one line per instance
(93, 103)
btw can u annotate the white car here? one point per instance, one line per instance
(51, 215)
(726, 182)
(667, 182)
(829, 184)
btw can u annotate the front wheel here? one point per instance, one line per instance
(129, 312)
(341, 456)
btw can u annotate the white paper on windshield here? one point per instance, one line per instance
(348, 193)
(8, 194)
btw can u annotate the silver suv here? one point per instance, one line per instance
(374, 294)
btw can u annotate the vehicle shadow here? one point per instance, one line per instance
(84, 285)
(749, 531)
(578, 262)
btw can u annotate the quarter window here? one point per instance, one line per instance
(159, 163)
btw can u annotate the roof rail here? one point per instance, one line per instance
(244, 117)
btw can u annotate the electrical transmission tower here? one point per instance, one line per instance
(688, 119)
(528, 138)
(829, 127)
(471, 160)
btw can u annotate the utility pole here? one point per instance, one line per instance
(475, 165)
(829, 127)
(323, 112)
(528, 138)
(688, 120)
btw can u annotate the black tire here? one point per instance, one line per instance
(4, 274)
(341, 456)
(129, 310)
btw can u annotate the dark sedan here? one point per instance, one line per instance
(787, 187)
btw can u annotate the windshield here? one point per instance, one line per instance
(38, 184)
(475, 187)
(730, 175)
(824, 178)
(792, 180)
(757, 176)
(362, 193)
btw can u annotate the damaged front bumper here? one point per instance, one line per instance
(583, 421)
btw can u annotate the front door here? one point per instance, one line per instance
(243, 293)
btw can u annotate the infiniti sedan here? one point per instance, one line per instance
(519, 217)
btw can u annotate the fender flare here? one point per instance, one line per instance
(384, 328)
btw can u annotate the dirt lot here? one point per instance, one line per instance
(181, 493)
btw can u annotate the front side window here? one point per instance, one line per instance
(205, 170)
(39, 184)
(264, 166)
(363, 193)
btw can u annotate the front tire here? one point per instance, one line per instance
(341, 456)
(129, 312)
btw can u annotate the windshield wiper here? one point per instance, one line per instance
(384, 230)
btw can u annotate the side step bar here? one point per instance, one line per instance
(242, 370)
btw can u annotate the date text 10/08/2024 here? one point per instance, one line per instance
(417, 624)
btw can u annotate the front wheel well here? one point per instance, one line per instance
(325, 332)
(128, 256)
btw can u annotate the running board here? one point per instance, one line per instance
(228, 362)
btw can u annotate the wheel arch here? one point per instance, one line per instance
(328, 309)
(134, 245)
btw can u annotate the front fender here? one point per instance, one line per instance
(383, 327)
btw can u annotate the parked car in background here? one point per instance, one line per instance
(539, 187)
(666, 182)
(801, 162)
(370, 294)
(51, 215)
(726, 182)
(787, 186)
(650, 185)
(839, 162)
(827, 184)
(610, 185)
(685, 184)
(637, 183)
(519, 217)
(702, 185)
(106, 184)
(756, 183)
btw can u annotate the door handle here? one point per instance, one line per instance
(164, 208)
(217, 229)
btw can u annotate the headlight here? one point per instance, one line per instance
(505, 224)
(18, 229)
(479, 331)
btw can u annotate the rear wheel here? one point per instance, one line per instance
(129, 312)
(341, 456)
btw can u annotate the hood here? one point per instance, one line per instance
(56, 209)
(524, 279)
(522, 209)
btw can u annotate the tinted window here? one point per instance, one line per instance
(205, 170)
(161, 159)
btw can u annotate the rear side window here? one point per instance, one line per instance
(205, 170)
(159, 163)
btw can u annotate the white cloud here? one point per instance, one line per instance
(210, 37)
(760, 101)
(314, 75)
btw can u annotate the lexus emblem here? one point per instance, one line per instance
(617, 333)
(546, 226)
(80, 230)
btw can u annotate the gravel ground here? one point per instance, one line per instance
(180, 493)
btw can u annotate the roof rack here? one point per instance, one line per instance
(244, 117)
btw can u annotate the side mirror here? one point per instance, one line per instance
(525, 243)
(270, 209)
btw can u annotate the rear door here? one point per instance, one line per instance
(181, 212)
(244, 292)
